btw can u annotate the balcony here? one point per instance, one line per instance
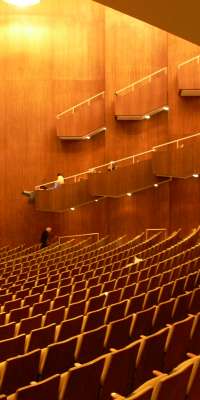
(82, 121)
(143, 98)
(189, 77)
(73, 193)
(178, 158)
(124, 177)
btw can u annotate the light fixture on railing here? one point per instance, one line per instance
(88, 137)
(22, 3)
(195, 175)
(155, 185)
(96, 200)
(129, 194)
(166, 108)
(147, 116)
(72, 208)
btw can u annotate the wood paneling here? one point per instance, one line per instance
(138, 100)
(55, 55)
(133, 50)
(184, 112)
(52, 56)
(184, 204)
(149, 208)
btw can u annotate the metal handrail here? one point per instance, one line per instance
(79, 235)
(79, 104)
(141, 80)
(176, 140)
(92, 169)
(116, 162)
(188, 61)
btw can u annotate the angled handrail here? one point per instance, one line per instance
(73, 108)
(116, 162)
(189, 61)
(176, 141)
(131, 86)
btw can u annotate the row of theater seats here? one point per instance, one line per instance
(86, 252)
(181, 384)
(151, 245)
(68, 247)
(40, 334)
(46, 276)
(6, 254)
(64, 252)
(75, 296)
(120, 370)
(192, 281)
(96, 314)
(9, 277)
(125, 299)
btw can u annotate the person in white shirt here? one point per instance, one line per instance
(60, 180)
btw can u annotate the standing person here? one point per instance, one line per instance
(45, 237)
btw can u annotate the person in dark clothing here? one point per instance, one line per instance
(45, 237)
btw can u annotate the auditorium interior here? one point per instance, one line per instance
(100, 200)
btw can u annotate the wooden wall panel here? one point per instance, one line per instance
(53, 56)
(184, 112)
(184, 204)
(149, 208)
(133, 50)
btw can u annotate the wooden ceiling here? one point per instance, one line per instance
(178, 17)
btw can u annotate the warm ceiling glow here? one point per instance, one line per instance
(22, 3)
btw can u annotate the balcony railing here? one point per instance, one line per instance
(83, 120)
(178, 158)
(144, 98)
(189, 77)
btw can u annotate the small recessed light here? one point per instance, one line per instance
(147, 116)
(166, 108)
(155, 185)
(129, 194)
(195, 175)
(72, 208)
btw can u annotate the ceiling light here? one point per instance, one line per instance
(22, 3)
(147, 116)
(72, 208)
(195, 175)
(155, 185)
(129, 194)
(166, 108)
